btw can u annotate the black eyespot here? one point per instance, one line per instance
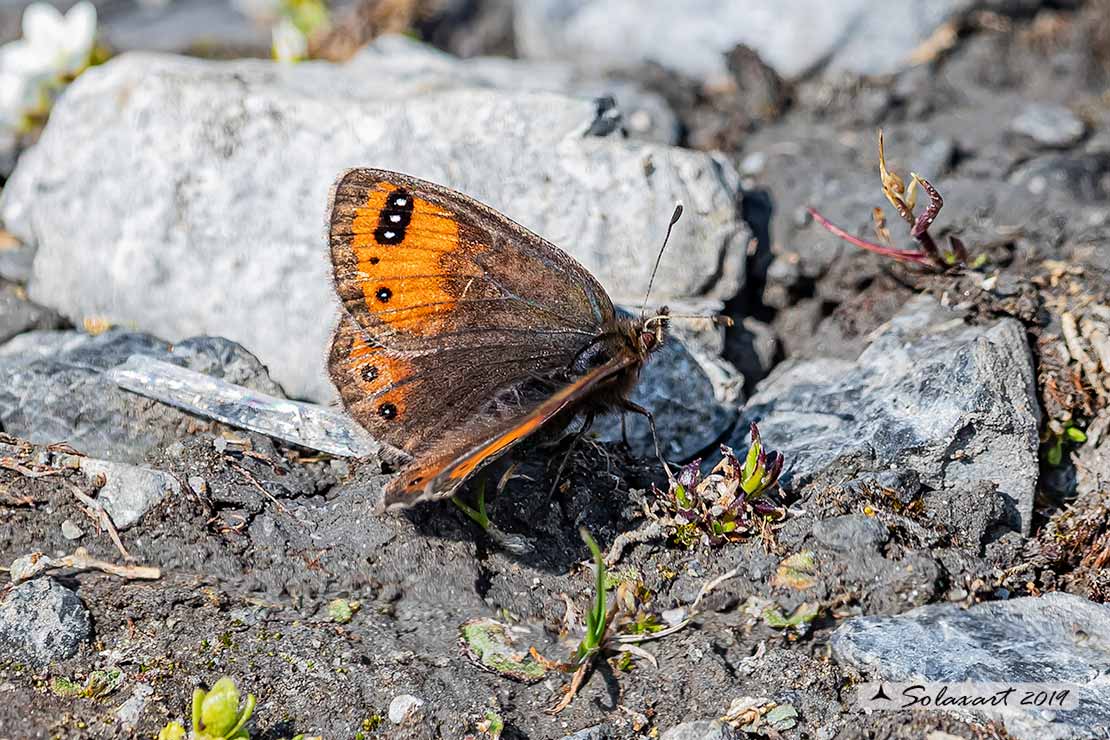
(374, 260)
(384, 294)
(369, 373)
(394, 218)
(414, 481)
(387, 411)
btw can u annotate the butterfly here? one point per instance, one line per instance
(462, 333)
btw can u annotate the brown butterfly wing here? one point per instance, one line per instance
(442, 475)
(415, 262)
(459, 323)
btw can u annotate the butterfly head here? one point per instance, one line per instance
(649, 332)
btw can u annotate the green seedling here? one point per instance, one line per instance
(1054, 445)
(597, 621)
(478, 514)
(216, 715)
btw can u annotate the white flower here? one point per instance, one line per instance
(53, 48)
(289, 44)
(53, 45)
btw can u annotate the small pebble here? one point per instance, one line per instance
(402, 707)
(198, 484)
(71, 531)
(1049, 125)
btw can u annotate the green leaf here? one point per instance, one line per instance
(1055, 454)
(1075, 434)
(342, 611)
(749, 462)
(489, 644)
(172, 731)
(595, 620)
(806, 612)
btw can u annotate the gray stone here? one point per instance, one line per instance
(71, 531)
(16, 259)
(400, 61)
(1049, 125)
(954, 402)
(1055, 638)
(130, 711)
(403, 707)
(220, 175)
(129, 491)
(704, 729)
(689, 413)
(53, 387)
(851, 532)
(42, 621)
(870, 37)
(17, 314)
(597, 732)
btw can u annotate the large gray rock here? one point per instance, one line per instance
(53, 388)
(196, 201)
(954, 402)
(1055, 638)
(400, 62)
(42, 621)
(793, 36)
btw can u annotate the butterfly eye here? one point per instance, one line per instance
(647, 339)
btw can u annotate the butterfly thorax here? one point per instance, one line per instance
(633, 340)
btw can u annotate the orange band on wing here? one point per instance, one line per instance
(399, 242)
(505, 440)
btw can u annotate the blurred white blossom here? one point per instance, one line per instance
(289, 42)
(54, 48)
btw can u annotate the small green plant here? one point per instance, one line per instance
(1057, 436)
(478, 512)
(492, 725)
(216, 715)
(97, 684)
(342, 611)
(724, 505)
(597, 621)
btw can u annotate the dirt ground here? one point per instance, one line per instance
(252, 560)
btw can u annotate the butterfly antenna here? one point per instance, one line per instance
(659, 258)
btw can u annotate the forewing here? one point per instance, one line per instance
(422, 267)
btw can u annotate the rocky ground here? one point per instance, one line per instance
(943, 509)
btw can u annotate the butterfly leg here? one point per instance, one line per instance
(587, 423)
(636, 408)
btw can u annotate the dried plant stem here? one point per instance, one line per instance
(916, 258)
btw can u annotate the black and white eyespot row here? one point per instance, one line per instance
(394, 218)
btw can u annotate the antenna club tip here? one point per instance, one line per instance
(677, 213)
